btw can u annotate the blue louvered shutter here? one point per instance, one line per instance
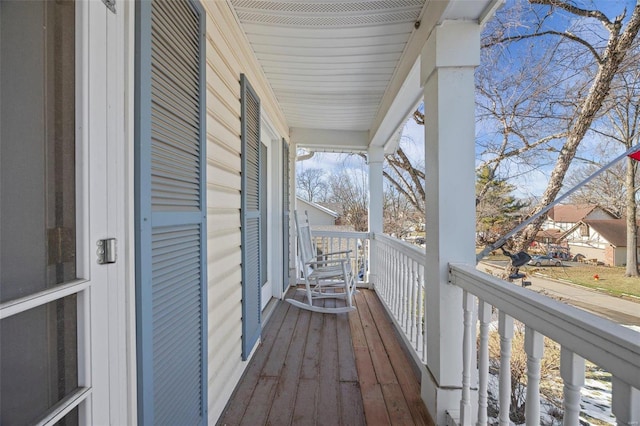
(286, 172)
(251, 218)
(170, 213)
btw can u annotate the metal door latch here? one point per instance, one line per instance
(107, 251)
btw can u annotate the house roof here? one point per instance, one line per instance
(612, 230)
(570, 213)
(318, 206)
(334, 207)
(554, 234)
(346, 73)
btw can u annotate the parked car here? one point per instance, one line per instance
(560, 255)
(540, 260)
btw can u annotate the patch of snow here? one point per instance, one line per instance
(595, 404)
(596, 398)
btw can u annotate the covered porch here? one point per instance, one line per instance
(346, 76)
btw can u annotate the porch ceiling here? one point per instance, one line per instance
(344, 65)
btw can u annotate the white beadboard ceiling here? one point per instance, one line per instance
(330, 62)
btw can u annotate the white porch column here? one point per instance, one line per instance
(447, 73)
(375, 158)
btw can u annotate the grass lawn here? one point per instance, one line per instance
(610, 279)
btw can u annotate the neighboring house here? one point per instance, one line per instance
(605, 240)
(147, 169)
(567, 225)
(566, 216)
(318, 215)
(338, 209)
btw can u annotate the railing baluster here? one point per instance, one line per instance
(394, 286)
(397, 286)
(352, 244)
(412, 305)
(400, 287)
(572, 373)
(405, 291)
(625, 403)
(385, 270)
(534, 348)
(468, 302)
(420, 305)
(409, 293)
(505, 328)
(399, 290)
(389, 276)
(484, 316)
(382, 270)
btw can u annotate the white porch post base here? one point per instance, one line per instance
(443, 403)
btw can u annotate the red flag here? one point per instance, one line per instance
(635, 155)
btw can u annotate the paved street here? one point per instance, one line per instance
(617, 309)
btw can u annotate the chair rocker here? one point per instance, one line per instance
(328, 275)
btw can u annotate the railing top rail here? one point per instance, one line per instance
(341, 234)
(609, 345)
(416, 253)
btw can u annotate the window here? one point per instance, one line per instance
(584, 230)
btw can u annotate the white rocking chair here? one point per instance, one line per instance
(323, 274)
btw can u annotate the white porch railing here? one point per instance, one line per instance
(580, 334)
(357, 242)
(399, 271)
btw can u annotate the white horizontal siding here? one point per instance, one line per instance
(228, 55)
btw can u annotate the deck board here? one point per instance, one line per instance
(381, 363)
(245, 389)
(304, 412)
(351, 404)
(328, 369)
(399, 360)
(284, 401)
(328, 400)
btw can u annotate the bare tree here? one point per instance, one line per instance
(405, 175)
(311, 184)
(523, 109)
(607, 61)
(349, 189)
(607, 190)
(399, 214)
(622, 124)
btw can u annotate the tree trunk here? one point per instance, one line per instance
(614, 53)
(632, 224)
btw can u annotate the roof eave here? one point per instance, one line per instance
(404, 92)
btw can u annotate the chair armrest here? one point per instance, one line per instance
(327, 262)
(335, 253)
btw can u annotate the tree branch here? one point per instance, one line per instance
(567, 35)
(519, 151)
(577, 10)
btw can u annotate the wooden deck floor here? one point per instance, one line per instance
(324, 369)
